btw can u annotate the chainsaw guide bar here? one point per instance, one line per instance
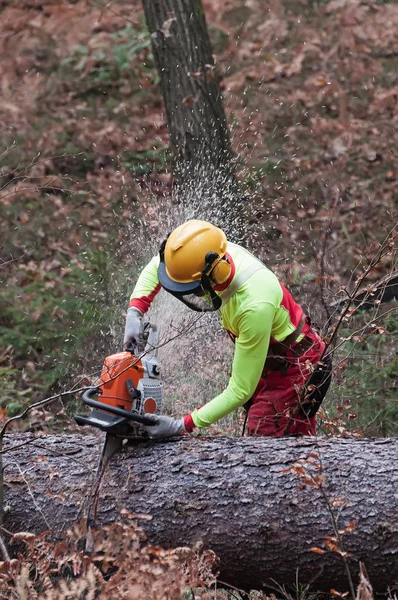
(129, 388)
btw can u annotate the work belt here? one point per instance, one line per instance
(281, 354)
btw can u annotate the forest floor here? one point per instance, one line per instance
(311, 96)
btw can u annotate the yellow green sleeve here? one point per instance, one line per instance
(251, 348)
(147, 286)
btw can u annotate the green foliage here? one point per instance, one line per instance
(269, 169)
(219, 39)
(155, 159)
(12, 399)
(37, 325)
(369, 389)
(316, 3)
(128, 44)
(128, 54)
(51, 321)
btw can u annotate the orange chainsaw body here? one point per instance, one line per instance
(117, 372)
(128, 389)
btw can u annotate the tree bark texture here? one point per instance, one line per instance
(190, 86)
(234, 494)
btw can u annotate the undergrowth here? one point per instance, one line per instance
(57, 319)
(122, 565)
(364, 395)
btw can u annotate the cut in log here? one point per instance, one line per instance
(235, 494)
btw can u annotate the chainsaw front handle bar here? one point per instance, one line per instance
(133, 346)
(120, 412)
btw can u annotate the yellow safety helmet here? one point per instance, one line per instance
(191, 258)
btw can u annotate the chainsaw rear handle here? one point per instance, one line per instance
(120, 412)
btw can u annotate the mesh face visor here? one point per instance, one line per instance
(197, 303)
(197, 295)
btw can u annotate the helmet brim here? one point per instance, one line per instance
(176, 287)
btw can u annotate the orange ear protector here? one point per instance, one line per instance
(218, 268)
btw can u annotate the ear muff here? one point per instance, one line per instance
(221, 271)
(217, 268)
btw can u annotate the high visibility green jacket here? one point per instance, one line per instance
(259, 313)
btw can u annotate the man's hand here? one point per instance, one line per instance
(134, 329)
(163, 426)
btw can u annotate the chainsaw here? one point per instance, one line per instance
(129, 387)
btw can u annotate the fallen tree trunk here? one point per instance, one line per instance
(233, 493)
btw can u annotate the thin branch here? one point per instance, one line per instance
(3, 549)
(4, 530)
(35, 188)
(362, 329)
(384, 249)
(351, 296)
(333, 519)
(15, 447)
(323, 278)
(7, 262)
(51, 399)
(232, 587)
(21, 179)
(34, 162)
(23, 473)
(7, 150)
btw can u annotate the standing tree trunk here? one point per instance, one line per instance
(245, 498)
(190, 86)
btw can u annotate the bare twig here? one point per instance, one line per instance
(23, 475)
(335, 529)
(7, 262)
(318, 482)
(51, 399)
(3, 549)
(323, 278)
(113, 12)
(385, 248)
(232, 587)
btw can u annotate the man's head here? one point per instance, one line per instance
(192, 261)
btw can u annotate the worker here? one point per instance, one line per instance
(280, 371)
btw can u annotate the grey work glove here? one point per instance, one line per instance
(163, 426)
(134, 329)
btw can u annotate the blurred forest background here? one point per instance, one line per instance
(311, 95)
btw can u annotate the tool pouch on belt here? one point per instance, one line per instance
(277, 357)
(317, 387)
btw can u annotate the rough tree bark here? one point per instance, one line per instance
(188, 77)
(232, 493)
